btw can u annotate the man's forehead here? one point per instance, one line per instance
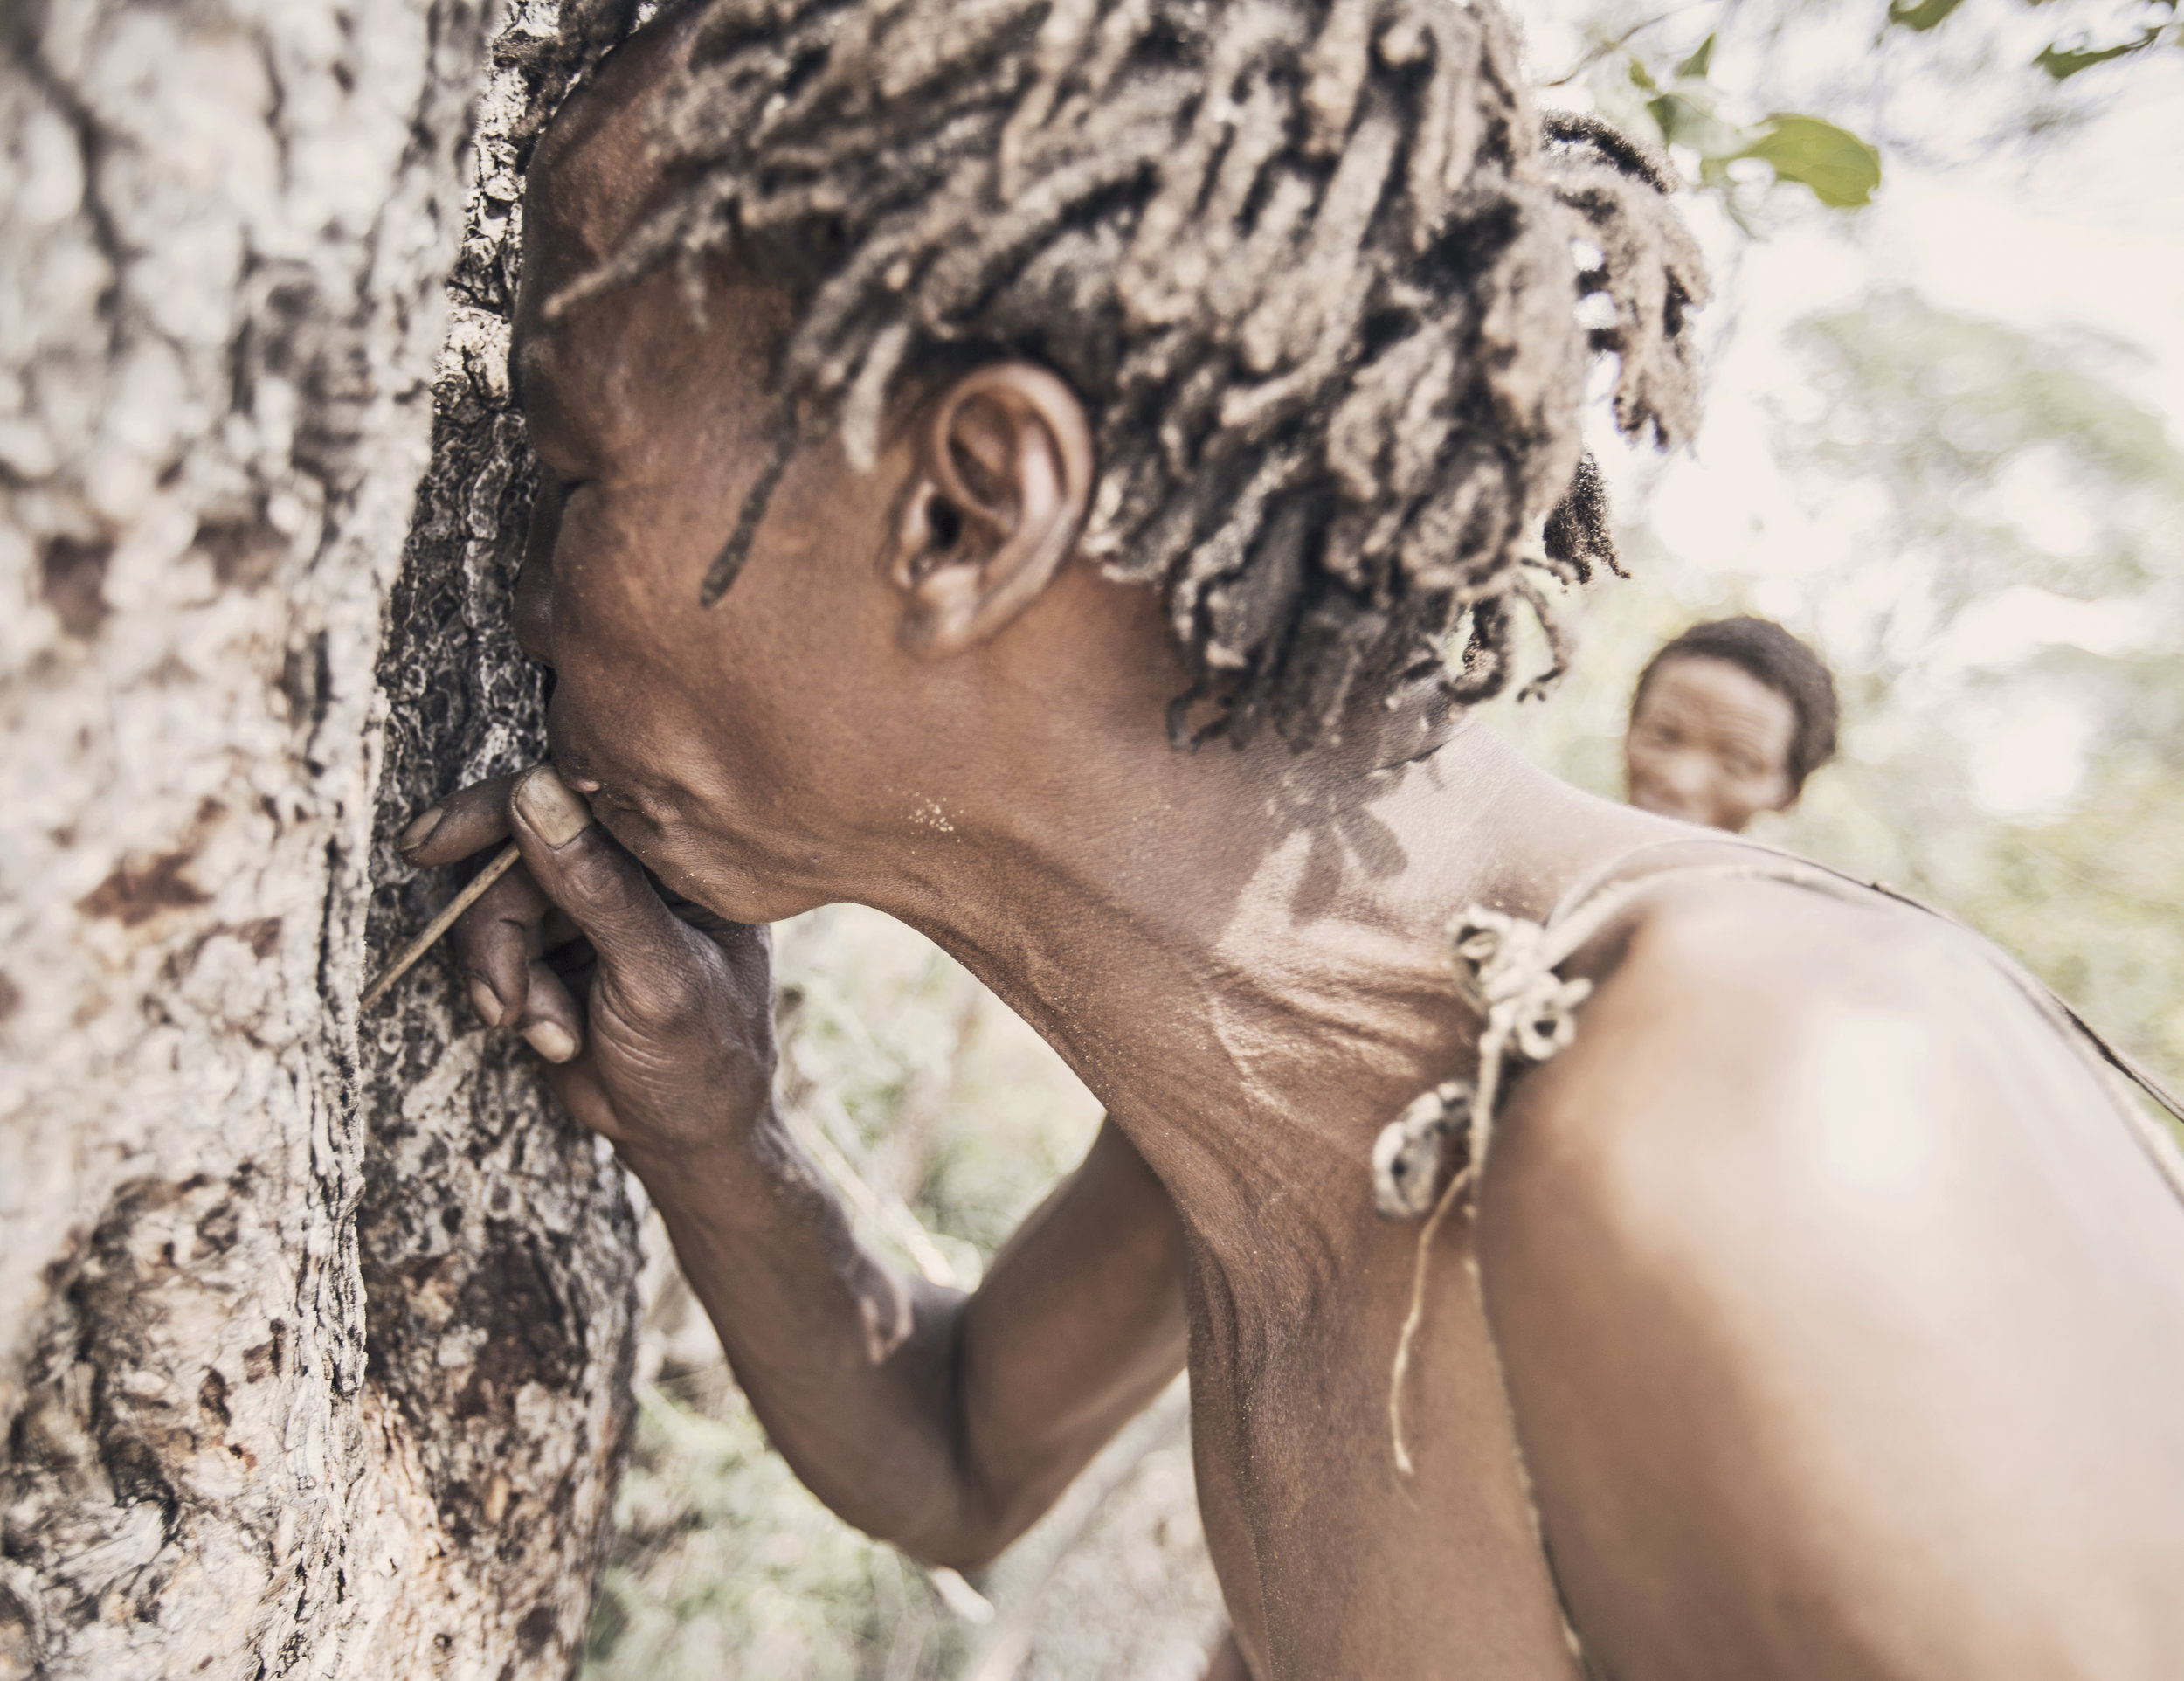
(594, 174)
(1723, 690)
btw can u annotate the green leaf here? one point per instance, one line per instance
(2064, 64)
(1685, 121)
(1921, 15)
(1694, 68)
(1842, 169)
(1642, 78)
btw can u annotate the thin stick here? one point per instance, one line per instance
(432, 931)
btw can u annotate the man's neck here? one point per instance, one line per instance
(1232, 946)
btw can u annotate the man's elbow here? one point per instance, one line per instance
(974, 1523)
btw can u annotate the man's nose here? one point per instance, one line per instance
(1675, 785)
(535, 579)
(534, 611)
(1688, 774)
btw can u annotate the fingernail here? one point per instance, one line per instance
(486, 1001)
(552, 1041)
(556, 812)
(421, 831)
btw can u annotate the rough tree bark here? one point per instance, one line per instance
(312, 1332)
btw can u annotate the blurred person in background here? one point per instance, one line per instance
(1727, 722)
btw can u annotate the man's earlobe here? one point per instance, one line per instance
(1000, 480)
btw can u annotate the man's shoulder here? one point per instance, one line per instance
(1715, 992)
(1778, 943)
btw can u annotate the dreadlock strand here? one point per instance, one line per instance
(1287, 325)
(923, 47)
(1334, 70)
(1193, 405)
(1221, 556)
(864, 405)
(1061, 41)
(1243, 611)
(1119, 34)
(1578, 532)
(1452, 125)
(1254, 267)
(1146, 284)
(1334, 640)
(1559, 648)
(656, 239)
(1484, 671)
(960, 276)
(1462, 532)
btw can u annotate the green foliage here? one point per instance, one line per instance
(1939, 411)
(2090, 899)
(1680, 95)
(725, 1565)
(1841, 171)
(2059, 61)
(2063, 63)
(1922, 16)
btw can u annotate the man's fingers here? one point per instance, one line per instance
(577, 1084)
(495, 943)
(601, 888)
(747, 946)
(549, 1021)
(461, 824)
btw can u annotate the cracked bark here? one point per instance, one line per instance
(312, 1332)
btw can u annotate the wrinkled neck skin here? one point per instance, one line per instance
(1242, 953)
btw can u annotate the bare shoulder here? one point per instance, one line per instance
(1758, 1021)
(1816, 1262)
(1734, 959)
(1779, 945)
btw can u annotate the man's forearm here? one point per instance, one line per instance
(849, 1365)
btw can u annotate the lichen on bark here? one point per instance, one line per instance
(312, 1330)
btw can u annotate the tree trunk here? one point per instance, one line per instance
(313, 1332)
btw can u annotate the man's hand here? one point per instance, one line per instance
(942, 1422)
(656, 1024)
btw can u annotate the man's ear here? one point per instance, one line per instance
(999, 483)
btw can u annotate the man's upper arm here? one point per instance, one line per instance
(1077, 1326)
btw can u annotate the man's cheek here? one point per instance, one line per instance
(573, 742)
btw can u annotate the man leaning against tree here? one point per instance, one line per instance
(1021, 475)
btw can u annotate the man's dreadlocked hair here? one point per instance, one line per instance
(1308, 263)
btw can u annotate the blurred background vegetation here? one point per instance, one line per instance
(1947, 375)
(942, 1119)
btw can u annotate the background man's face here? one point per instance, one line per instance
(1709, 743)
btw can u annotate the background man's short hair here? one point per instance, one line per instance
(1785, 665)
(1314, 267)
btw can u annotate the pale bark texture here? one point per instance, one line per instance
(312, 1332)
